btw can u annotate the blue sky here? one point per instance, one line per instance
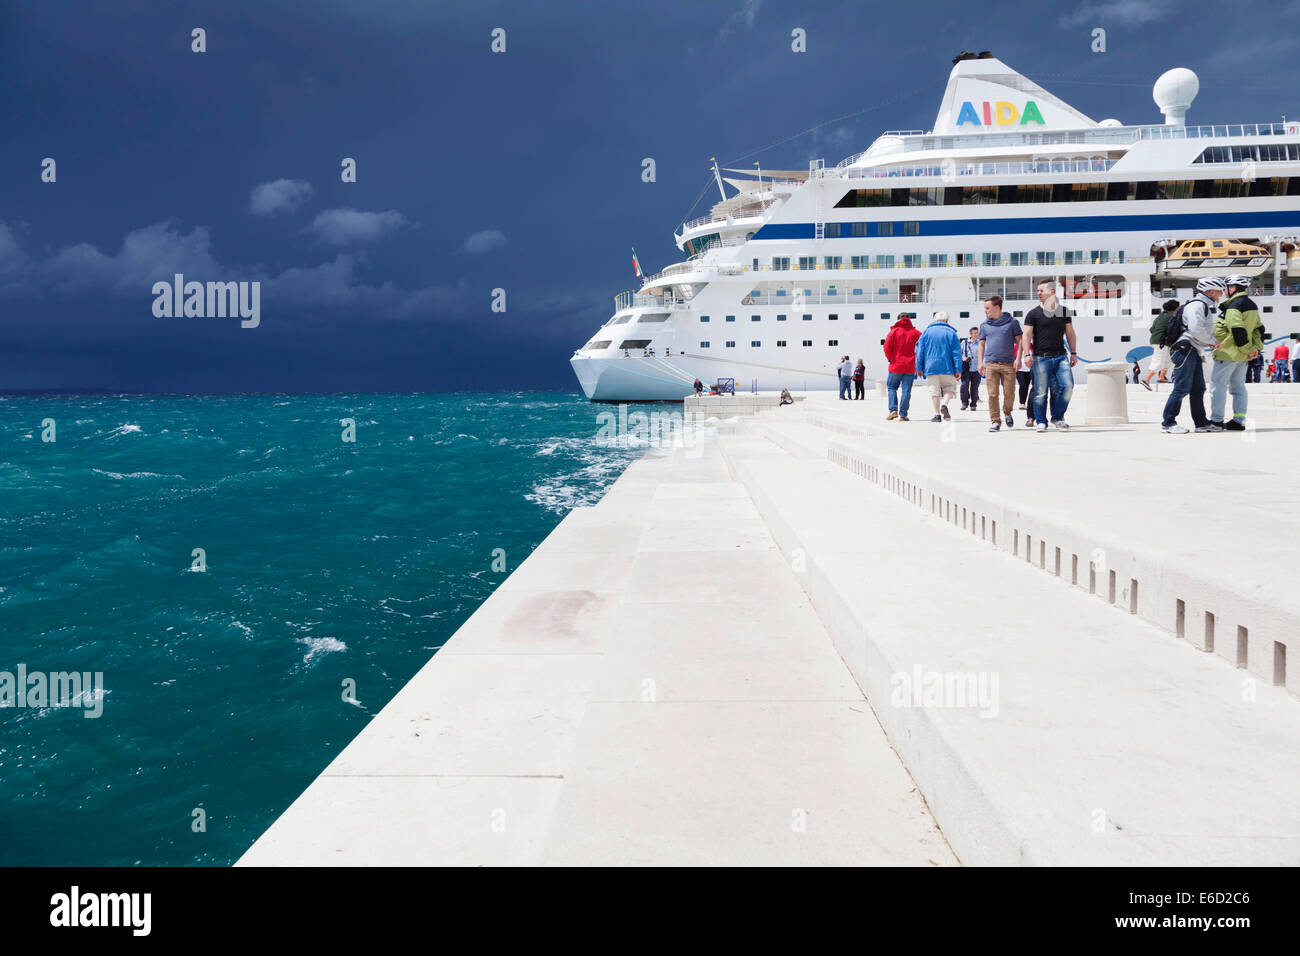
(475, 171)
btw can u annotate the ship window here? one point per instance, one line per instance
(833, 262)
(755, 318)
(858, 316)
(622, 320)
(1034, 192)
(807, 343)
(807, 317)
(1174, 189)
(884, 262)
(731, 318)
(780, 316)
(1099, 338)
(884, 228)
(865, 197)
(833, 342)
(807, 262)
(965, 315)
(731, 344)
(704, 345)
(1126, 338)
(635, 344)
(858, 230)
(831, 230)
(1228, 188)
(704, 318)
(653, 317)
(834, 317)
(911, 228)
(755, 343)
(602, 344)
(1268, 308)
(885, 315)
(780, 343)
(925, 197)
(979, 195)
(781, 263)
(1088, 192)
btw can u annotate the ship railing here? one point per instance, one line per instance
(953, 169)
(748, 212)
(634, 300)
(1098, 135)
(1218, 131)
(869, 266)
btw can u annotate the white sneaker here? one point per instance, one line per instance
(1040, 427)
(1173, 429)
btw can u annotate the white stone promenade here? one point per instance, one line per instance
(1083, 647)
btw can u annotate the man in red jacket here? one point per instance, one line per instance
(900, 350)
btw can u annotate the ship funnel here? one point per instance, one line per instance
(1174, 92)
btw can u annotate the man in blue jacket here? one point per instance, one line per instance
(938, 361)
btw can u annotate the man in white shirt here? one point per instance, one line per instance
(1295, 356)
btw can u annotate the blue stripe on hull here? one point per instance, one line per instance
(1252, 221)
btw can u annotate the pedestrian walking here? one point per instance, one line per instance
(1195, 324)
(900, 351)
(970, 371)
(1049, 335)
(1238, 332)
(999, 337)
(938, 361)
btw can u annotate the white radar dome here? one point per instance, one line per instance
(1174, 92)
(1110, 123)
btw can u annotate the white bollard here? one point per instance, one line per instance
(1107, 398)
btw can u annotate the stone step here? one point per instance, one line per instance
(1101, 740)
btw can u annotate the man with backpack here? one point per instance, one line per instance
(1160, 353)
(1188, 333)
(1238, 331)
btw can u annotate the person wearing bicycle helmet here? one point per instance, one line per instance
(1198, 316)
(1240, 338)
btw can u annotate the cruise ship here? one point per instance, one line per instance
(1012, 185)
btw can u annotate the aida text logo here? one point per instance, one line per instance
(75, 908)
(1000, 113)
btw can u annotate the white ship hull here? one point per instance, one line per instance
(795, 271)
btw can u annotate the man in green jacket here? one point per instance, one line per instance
(1240, 337)
(1160, 353)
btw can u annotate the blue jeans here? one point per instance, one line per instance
(1052, 373)
(1295, 370)
(1227, 377)
(894, 382)
(845, 382)
(1189, 381)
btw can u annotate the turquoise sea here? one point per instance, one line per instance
(326, 561)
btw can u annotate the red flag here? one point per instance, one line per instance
(636, 266)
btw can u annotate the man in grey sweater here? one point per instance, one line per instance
(1186, 356)
(999, 338)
